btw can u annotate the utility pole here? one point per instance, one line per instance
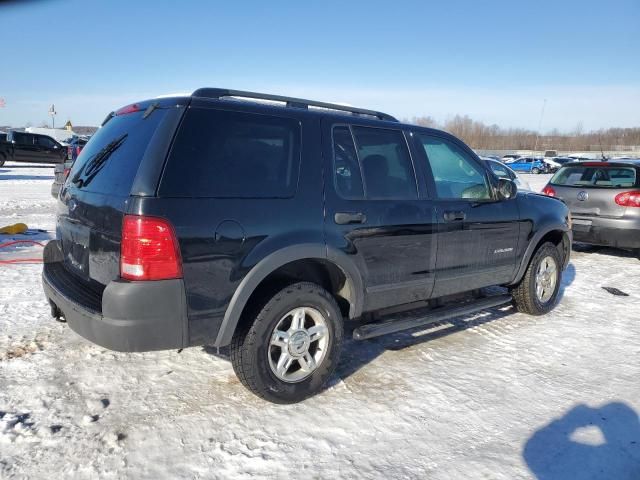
(544, 103)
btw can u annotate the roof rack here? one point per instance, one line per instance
(290, 102)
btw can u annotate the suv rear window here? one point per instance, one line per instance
(109, 161)
(227, 154)
(595, 176)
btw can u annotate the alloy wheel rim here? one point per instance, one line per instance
(546, 279)
(298, 344)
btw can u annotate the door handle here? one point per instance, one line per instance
(344, 218)
(454, 216)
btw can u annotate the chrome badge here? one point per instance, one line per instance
(582, 195)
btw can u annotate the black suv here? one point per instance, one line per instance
(261, 223)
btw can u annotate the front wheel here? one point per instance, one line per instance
(293, 346)
(537, 292)
(535, 170)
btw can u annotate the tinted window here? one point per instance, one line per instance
(455, 173)
(386, 165)
(22, 138)
(234, 155)
(348, 180)
(591, 176)
(45, 142)
(109, 162)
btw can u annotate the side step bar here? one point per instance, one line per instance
(371, 330)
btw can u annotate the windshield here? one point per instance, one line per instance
(595, 176)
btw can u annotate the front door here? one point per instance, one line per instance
(377, 213)
(478, 235)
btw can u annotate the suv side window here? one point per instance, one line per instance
(348, 178)
(23, 138)
(456, 174)
(225, 154)
(386, 164)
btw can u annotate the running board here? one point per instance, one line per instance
(371, 330)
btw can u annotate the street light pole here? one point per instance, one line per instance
(52, 112)
(544, 103)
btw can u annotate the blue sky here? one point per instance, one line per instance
(495, 61)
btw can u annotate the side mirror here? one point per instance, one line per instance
(507, 189)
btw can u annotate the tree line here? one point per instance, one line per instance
(481, 136)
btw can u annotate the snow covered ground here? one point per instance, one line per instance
(497, 395)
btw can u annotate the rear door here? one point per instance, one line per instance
(96, 195)
(477, 234)
(25, 148)
(376, 212)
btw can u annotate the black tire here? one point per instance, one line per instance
(250, 347)
(535, 170)
(524, 294)
(2, 160)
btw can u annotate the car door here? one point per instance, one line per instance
(377, 213)
(520, 165)
(478, 234)
(25, 149)
(48, 149)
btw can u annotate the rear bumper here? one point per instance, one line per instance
(609, 232)
(127, 317)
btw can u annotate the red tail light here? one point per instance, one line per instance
(149, 249)
(549, 191)
(628, 199)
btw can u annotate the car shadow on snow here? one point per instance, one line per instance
(356, 354)
(25, 177)
(587, 443)
(614, 252)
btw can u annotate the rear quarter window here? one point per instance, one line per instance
(595, 176)
(224, 154)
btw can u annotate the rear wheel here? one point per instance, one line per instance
(537, 293)
(291, 349)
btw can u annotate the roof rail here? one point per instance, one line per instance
(290, 102)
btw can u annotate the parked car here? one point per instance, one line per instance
(74, 146)
(509, 157)
(31, 147)
(60, 174)
(604, 199)
(503, 171)
(220, 219)
(528, 165)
